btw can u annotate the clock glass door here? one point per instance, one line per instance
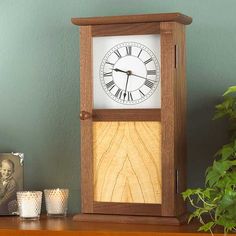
(127, 148)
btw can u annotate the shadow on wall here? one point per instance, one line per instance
(205, 138)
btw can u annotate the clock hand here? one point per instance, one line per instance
(118, 70)
(139, 76)
(142, 77)
(127, 80)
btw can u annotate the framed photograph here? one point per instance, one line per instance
(11, 181)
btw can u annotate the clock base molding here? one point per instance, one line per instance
(151, 220)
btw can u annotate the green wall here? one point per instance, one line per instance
(39, 81)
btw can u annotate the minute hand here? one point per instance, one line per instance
(141, 77)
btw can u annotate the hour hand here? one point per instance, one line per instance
(118, 70)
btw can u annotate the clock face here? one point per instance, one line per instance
(126, 72)
(129, 73)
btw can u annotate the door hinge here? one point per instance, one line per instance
(176, 56)
(177, 181)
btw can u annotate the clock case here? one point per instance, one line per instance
(172, 115)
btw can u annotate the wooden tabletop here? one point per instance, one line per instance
(10, 226)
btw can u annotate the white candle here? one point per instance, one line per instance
(28, 208)
(56, 201)
(29, 204)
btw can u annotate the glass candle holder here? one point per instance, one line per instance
(29, 204)
(56, 202)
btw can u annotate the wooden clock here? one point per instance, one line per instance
(133, 107)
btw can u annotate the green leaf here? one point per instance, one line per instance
(228, 103)
(218, 170)
(227, 152)
(232, 177)
(218, 198)
(191, 217)
(207, 193)
(226, 222)
(226, 108)
(231, 89)
(229, 199)
(198, 212)
(218, 115)
(224, 182)
(187, 193)
(221, 166)
(207, 227)
(212, 177)
(233, 163)
(232, 211)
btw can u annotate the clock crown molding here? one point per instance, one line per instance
(124, 19)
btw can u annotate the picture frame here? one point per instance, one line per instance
(11, 181)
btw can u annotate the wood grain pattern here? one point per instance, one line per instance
(148, 220)
(162, 17)
(126, 29)
(180, 131)
(127, 162)
(137, 179)
(121, 208)
(86, 125)
(126, 115)
(12, 226)
(173, 117)
(168, 117)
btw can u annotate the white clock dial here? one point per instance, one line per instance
(129, 73)
(126, 72)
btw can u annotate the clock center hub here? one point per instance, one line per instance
(130, 65)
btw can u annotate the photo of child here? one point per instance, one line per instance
(11, 181)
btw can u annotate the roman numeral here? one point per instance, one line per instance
(142, 94)
(147, 61)
(128, 50)
(118, 93)
(140, 52)
(151, 72)
(107, 62)
(149, 84)
(127, 96)
(110, 84)
(107, 74)
(117, 53)
(130, 98)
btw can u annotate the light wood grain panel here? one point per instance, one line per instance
(127, 162)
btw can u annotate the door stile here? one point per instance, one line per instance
(168, 117)
(180, 111)
(86, 106)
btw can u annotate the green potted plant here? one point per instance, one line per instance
(218, 198)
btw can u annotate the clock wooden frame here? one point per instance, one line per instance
(171, 27)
